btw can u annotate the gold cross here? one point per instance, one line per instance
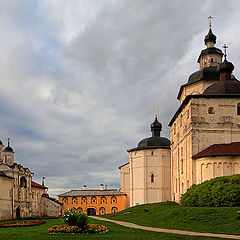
(210, 21)
(156, 110)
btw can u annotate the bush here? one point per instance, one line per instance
(218, 192)
(74, 218)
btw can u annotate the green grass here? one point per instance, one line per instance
(116, 232)
(171, 216)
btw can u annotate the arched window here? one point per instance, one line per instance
(152, 177)
(211, 110)
(65, 200)
(84, 200)
(174, 128)
(102, 211)
(182, 188)
(181, 120)
(152, 153)
(23, 182)
(93, 200)
(114, 210)
(74, 200)
(103, 200)
(238, 109)
(79, 210)
(181, 166)
(113, 200)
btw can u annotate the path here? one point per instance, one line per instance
(154, 229)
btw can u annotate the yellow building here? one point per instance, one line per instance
(93, 201)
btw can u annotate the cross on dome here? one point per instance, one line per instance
(225, 51)
(210, 21)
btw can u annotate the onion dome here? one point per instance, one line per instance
(155, 141)
(228, 84)
(8, 148)
(210, 37)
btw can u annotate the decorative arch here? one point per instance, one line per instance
(114, 210)
(79, 210)
(103, 200)
(113, 199)
(102, 210)
(74, 200)
(65, 200)
(84, 200)
(93, 200)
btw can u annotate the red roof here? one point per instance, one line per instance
(124, 165)
(231, 149)
(34, 184)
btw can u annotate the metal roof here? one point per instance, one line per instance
(93, 192)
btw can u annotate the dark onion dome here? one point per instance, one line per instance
(155, 141)
(8, 149)
(228, 84)
(225, 67)
(210, 37)
(207, 73)
(208, 51)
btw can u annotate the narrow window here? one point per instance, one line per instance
(152, 178)
(182, 166)
(181, 120)
(187, 113)
(174, 128)
(238, 109)
(211, 60)
(152, 153)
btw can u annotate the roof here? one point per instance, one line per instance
(123, 165)
(204, 74)
(34, 184)
(187, 99)
(2, 174)
(230, 149)
(93, 192)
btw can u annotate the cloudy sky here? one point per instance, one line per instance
(80, 78)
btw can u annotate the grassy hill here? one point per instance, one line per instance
(172, 216)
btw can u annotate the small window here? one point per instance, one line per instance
(94, 200)
(187, 113)
(152, 153)
(84, 200)
(102, 211)
(211, 110)
(65, 200)
(181, 166)
(238, 109)
(211, 60)
(103, 200)
(23, 182)
(181, 120)
(174, 128)
(114, 210)
(74, 200)
(113, 200)
(152, 178)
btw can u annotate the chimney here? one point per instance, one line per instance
(84, 187)
(101, 186)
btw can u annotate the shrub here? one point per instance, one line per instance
(218, 192)
(74, 218)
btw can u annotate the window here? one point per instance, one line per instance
(93, 200)
(23, 182)
(211, 110)
(187, 113)
(113, 200)
(84, 200)
(152, 153)
(174, 128)
(65, 200)
(102, 211)
(74, 200)
(211, 60)
(103, 200)
(238, 109)
(152, 178)
(181, 120)
(114, 210)
(79, 210)
(181, 166)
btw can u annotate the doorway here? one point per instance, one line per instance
(91, 211)
(18, 216)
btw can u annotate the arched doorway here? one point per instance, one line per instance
(18, 216)
(91, 211)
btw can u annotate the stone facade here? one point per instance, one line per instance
(20, 197)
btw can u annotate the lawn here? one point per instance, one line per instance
(116, 232)
(171, 216)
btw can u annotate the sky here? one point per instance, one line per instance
(79, 79)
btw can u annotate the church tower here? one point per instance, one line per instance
(8, 154)
(146, 178)
(205, 130)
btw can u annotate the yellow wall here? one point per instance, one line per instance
(120, 204)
